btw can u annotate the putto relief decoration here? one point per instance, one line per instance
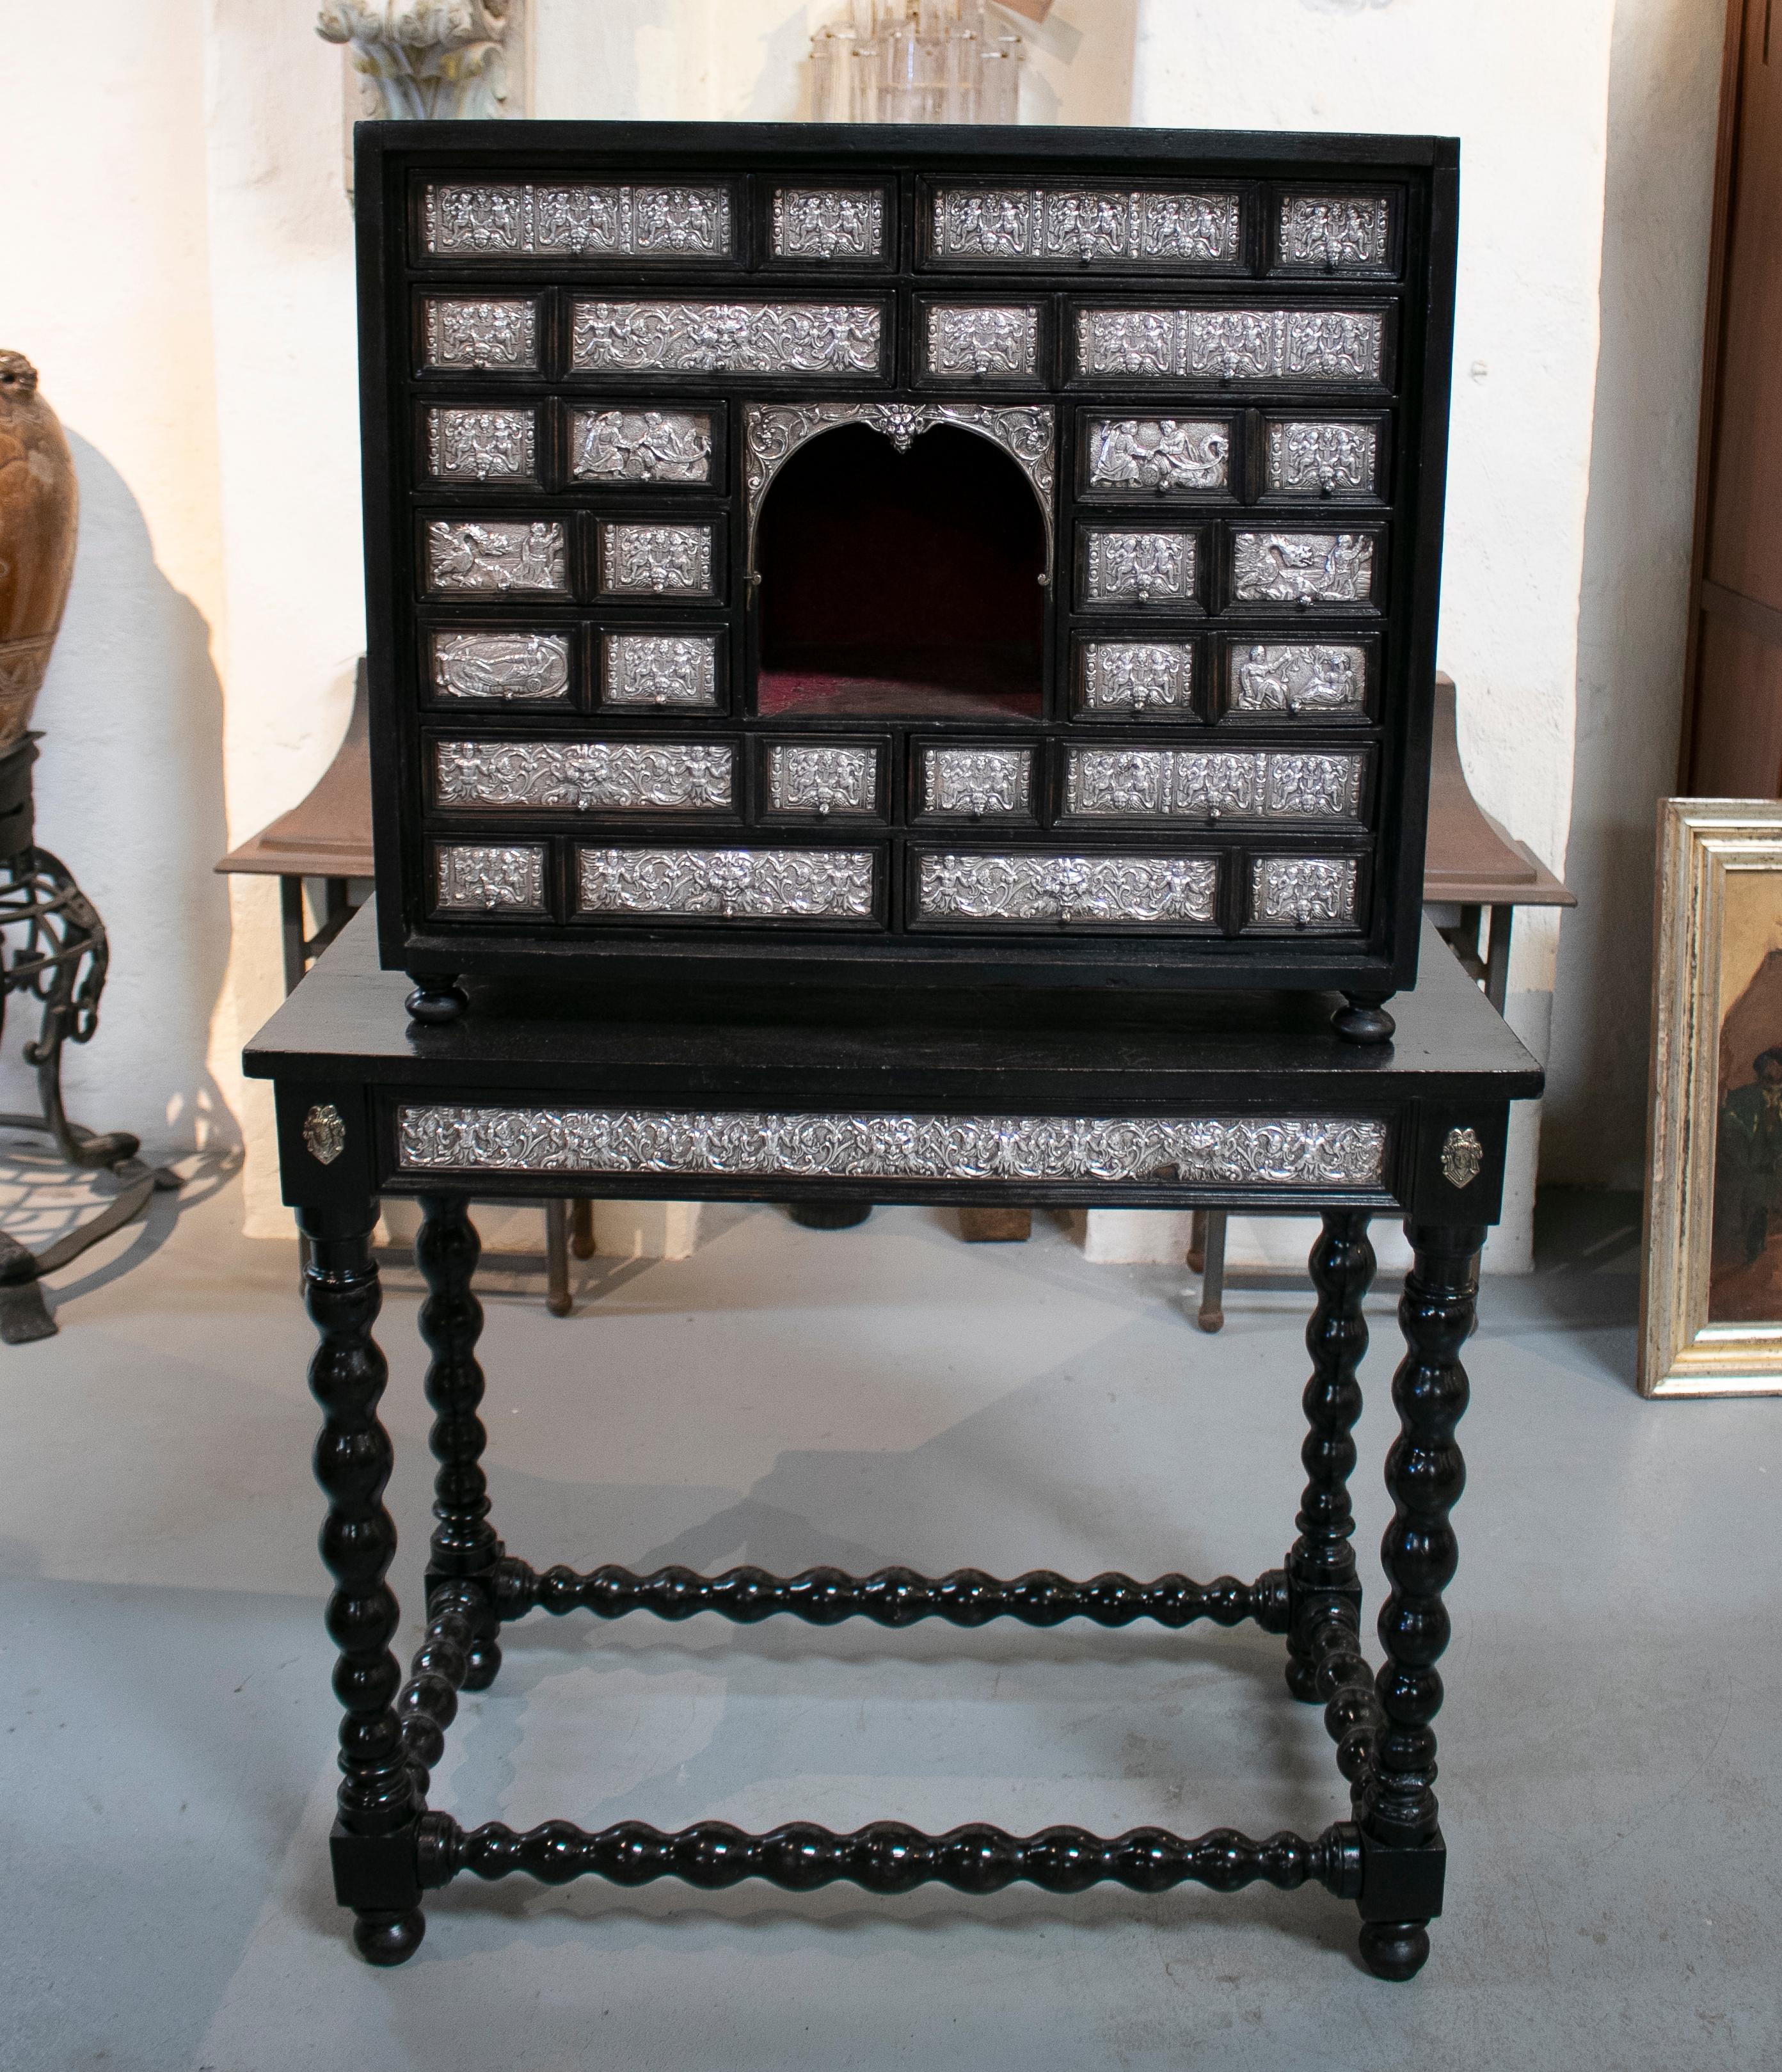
(586, 776)
(1336, 232)
(1321, 458)
(1140, 568)
(1131, 677)
(1186, 784)
(640, 445)
(490, 878)
(976, 784)
(519, 667)
(490, 337)
(657, 560)
(496, 555)
(1031, 226)
(1303, 568)
(1303, 891)
(472, 221)
(1231, 345)
(822, 780)
(828, 223)
(1194, 1150)
(1297, 677)
(659, 669)
(726, 338)
(1164, 456)
(480, 445)
(971, 344)
(1089, 890)
(728, 884)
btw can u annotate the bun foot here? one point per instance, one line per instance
(1365, 1019)
(482, 1660)
(436, 1002)
(388, 1938)
(829, 1215)
(1394, 1949)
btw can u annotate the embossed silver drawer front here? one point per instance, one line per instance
(489, 877)
(1090, 891)
(1162, 456)
(491, 555)
(1320, 457)
(1334, 233)
(1263, 1151)
(1128, 679)
(659, 669)
(658, 447)
(727, 338)
(1087, 226)
(1303, 568)
(1120, 567)
(815, 780)
(465, 219)
(727, 884)
(587, 776)
(656, 560)
(1298, 679)
(482, 334)
(1289, 893)
(1231, 345)
(981, 342)
(531, 668)
(976, 784)
(1201, 784)
(837, 224)
(482, 446)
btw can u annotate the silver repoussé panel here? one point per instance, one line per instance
(1144, 568)
(655, 560)
(1303, 891)
(1321, 457)
(1337, 232)
(1094, 890)
(1136, 677)
(976, 784)
(811, 778)
(1231, 345)
(1296, 676)
(640, 445)
(968, 344)
(480, 445)
(501, 665)
(490, 336)
(1302, 568)
(1032, 225)
(587, 776)
(1296, 1151)
(730, 884)
(659, 669)
(726, 338)
(828, 223)
(1170, 456)
(474, 221)
(495, 554)
(1193, 783)
(473, 877)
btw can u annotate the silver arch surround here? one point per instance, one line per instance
(773, 432)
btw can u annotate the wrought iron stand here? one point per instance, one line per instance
(55, 951)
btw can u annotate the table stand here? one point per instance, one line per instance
(843, 1113)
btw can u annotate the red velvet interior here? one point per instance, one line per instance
(901, 583)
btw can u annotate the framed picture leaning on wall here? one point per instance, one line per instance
(1711, 1283)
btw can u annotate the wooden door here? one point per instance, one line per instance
(1732, 737)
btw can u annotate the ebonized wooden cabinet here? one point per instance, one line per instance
(937, 557)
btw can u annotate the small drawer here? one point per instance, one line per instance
(479, 334)
(489, 877)
(825, 779)
(500, 668)
(835, 226)
(987, 888)
(1305, 569)
(1308, 680)
(1287, 895)
(1211, 784)
(726, 884)
(1322, 457)
(1336, 232)
(980, 342)
(1158, 568)
(677, 670)
(1066, 228)
(1156, 457)
(482, 447)
(491, 557)
(1134, 680)
(652, 448)
(671, 777)
(470, 219)
(632, 337)
(1300, 346)
(657, 560)
(974, 783)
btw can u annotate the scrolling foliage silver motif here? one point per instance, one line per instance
(1087, 225)
(1303, 891)
(828, 223)
(974, 783)
(742, 884)
(1297, 678)
(1303, 568)
(1095, 890)
(659, 669)
(641, 446)
(502, 665)
(810, 779)
(586, 776)
(491, 554)
(1135, 677)
(479, 445)
(587, 222)
(1337, 1151)
(1231, 345)
(492, 877)
(490, 336)
(726, 338)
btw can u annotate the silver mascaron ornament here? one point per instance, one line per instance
(1462, 1157)
(324, 1133)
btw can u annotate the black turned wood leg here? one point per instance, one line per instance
(1363, 1018)
(373, 1844)
(1402, 1854)
(436, 999)
(464, 1549)
(1322, 1584)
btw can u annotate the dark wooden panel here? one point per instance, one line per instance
(1739, 737)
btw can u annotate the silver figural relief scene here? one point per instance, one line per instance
(1205, 1150)
(1140, 568)
(967, 344)
(480, 445)
(1297, 677)
(974, 783)
(1167, 456)
(1303, 568)
(822, 779)
(655, 560)
(659, 669)
(1097, 890)
(828, 223)
(1303, 891)
(1135, 677)
(532, 667)
(640, 445)
(730, 884)
(494, 555)
(585, 222)
(490, 337)
(1085, 226)
(508, 877)
(1318, 457)
(726, 338)
(1336, 232)
(1231, 345)
(1186, 784)
(587, 776)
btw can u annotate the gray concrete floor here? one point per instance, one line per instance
(1610, 1745)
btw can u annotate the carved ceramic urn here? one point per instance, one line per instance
(39, 510)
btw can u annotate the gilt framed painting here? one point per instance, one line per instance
(1711, 1283)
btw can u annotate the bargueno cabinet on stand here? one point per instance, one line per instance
(942, 557)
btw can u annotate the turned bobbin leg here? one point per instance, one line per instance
(373, 1844)
(1403, 1858)
(464, 1549)
(1322, 1584)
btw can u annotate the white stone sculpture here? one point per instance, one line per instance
(423, 59)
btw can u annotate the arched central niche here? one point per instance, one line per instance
(900, 584)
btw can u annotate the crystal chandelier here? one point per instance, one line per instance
(916, 61)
